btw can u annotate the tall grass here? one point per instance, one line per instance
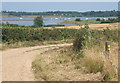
(91, 44)
(95, 61)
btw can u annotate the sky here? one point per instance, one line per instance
(60, 0)
(59, 6)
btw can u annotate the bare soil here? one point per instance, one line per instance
(16, 63)
(58, 66)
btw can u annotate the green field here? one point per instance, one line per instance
(82, 22)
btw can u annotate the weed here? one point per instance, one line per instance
(77, 67)
(93, 66)
(107, 76)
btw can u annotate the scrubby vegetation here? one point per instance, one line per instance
(62, 65)
(110, 20)
(78, 21)
(30, 34)
(86, 56)
(7, 24)
(86, 37)
(12, 35)
(83, 36)
(86, 40)
(74, 66)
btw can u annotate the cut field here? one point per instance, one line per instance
(111, 26)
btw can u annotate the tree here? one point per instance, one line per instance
(77, 19)
(98, 19)
(38, 21)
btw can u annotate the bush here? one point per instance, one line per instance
(77, 19)
(110, 35)
(81, 38)
(53, 25)
(98, 19)
(110, 20)
(85, 37)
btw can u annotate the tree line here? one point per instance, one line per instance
(112, 13)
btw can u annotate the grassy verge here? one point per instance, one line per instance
(95, 60)
(61, 65)
(32, 43)
(65, 64)
(82, 22)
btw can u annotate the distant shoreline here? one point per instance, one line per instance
(44, 17)
(17, 19)
(49, 16)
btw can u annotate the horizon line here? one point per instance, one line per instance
(58, 11)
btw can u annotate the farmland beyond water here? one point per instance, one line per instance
(28, 21)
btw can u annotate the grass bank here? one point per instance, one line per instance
(82, 22)
(65, 64)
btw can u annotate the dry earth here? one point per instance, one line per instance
(59, 66)
(111, 26)
(16, 63)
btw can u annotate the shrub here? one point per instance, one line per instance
(110, 35)
(81, 38)
(53, 25)
(110, 20)
(86, 37)
(107, 76)
(77, 19)
(98, 19)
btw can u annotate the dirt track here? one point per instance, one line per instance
(16, 63)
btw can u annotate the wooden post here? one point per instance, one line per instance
(107, 48)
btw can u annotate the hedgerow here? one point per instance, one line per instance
(12, 35)
(82, 37)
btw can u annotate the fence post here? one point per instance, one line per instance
(107, 48)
